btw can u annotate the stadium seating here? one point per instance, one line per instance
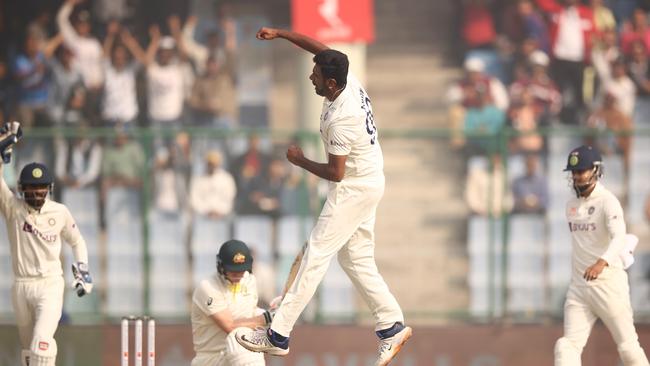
(124, 247)
(526, 249)
(169, 268)
(257, 232)
(207, 237)
(6, 271)
(82, 204)
(639, 275)
(485, 277)
(336, 296)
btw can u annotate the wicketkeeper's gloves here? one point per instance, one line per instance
(82, 282)
(10, 133)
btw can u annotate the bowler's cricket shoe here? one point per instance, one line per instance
(263, 340)
(391, 345)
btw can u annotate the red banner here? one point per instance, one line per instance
(334, 20)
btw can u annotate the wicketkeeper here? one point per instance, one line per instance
(35, 226)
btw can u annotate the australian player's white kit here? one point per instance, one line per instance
(35, 238)
(346, 223)
(598, 231)
(212, 345)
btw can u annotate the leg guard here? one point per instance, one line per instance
(43, 352)
(24, 357)
(566, 353)
(236, 355)
(632, 354)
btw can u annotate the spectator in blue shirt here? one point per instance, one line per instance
(530, 190)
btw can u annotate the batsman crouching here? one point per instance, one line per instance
(223, 304)
(36, 227)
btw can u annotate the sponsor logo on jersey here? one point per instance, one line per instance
(585, 226)
(43, 346)
(335, 143)
(28, 228)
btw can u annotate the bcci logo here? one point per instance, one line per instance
(239, 258)
(37, 173)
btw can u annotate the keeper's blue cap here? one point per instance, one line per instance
(583, 158)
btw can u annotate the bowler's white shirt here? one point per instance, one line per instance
(597, 230)
(35, 236)
(214, 295)
(347, 127)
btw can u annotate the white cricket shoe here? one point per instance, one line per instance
(258, 341)
(389, 347)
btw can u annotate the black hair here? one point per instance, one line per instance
(334, 65)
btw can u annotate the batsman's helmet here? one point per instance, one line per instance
(35, 174)
(234, 256)
(583, 158)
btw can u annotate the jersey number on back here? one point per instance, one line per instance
(370, 119)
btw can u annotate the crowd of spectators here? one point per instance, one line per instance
(83, 66)
(531, 64)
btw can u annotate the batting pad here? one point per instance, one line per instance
(24, 357)
(43, 352)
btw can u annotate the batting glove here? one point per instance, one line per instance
(82, 282)
(275, 303)
(268, 316)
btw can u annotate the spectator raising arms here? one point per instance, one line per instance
(86, 48)
(119, 102)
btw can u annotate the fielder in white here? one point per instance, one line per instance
(599, 285)
(36, 226)
(345, 227)
(224, 303)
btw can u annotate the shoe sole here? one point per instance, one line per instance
(409, 333)
(272, 351)
(281, 352)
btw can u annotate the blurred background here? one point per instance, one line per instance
(166, 123)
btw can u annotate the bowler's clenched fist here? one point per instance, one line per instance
(294, 154)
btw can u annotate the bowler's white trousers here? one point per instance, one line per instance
(345, 226)
(607, 298)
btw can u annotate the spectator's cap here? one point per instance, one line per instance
(213, 157)
(474, 64)
(539, 58)
(167, 43)
(583, 158)
(234, 256)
